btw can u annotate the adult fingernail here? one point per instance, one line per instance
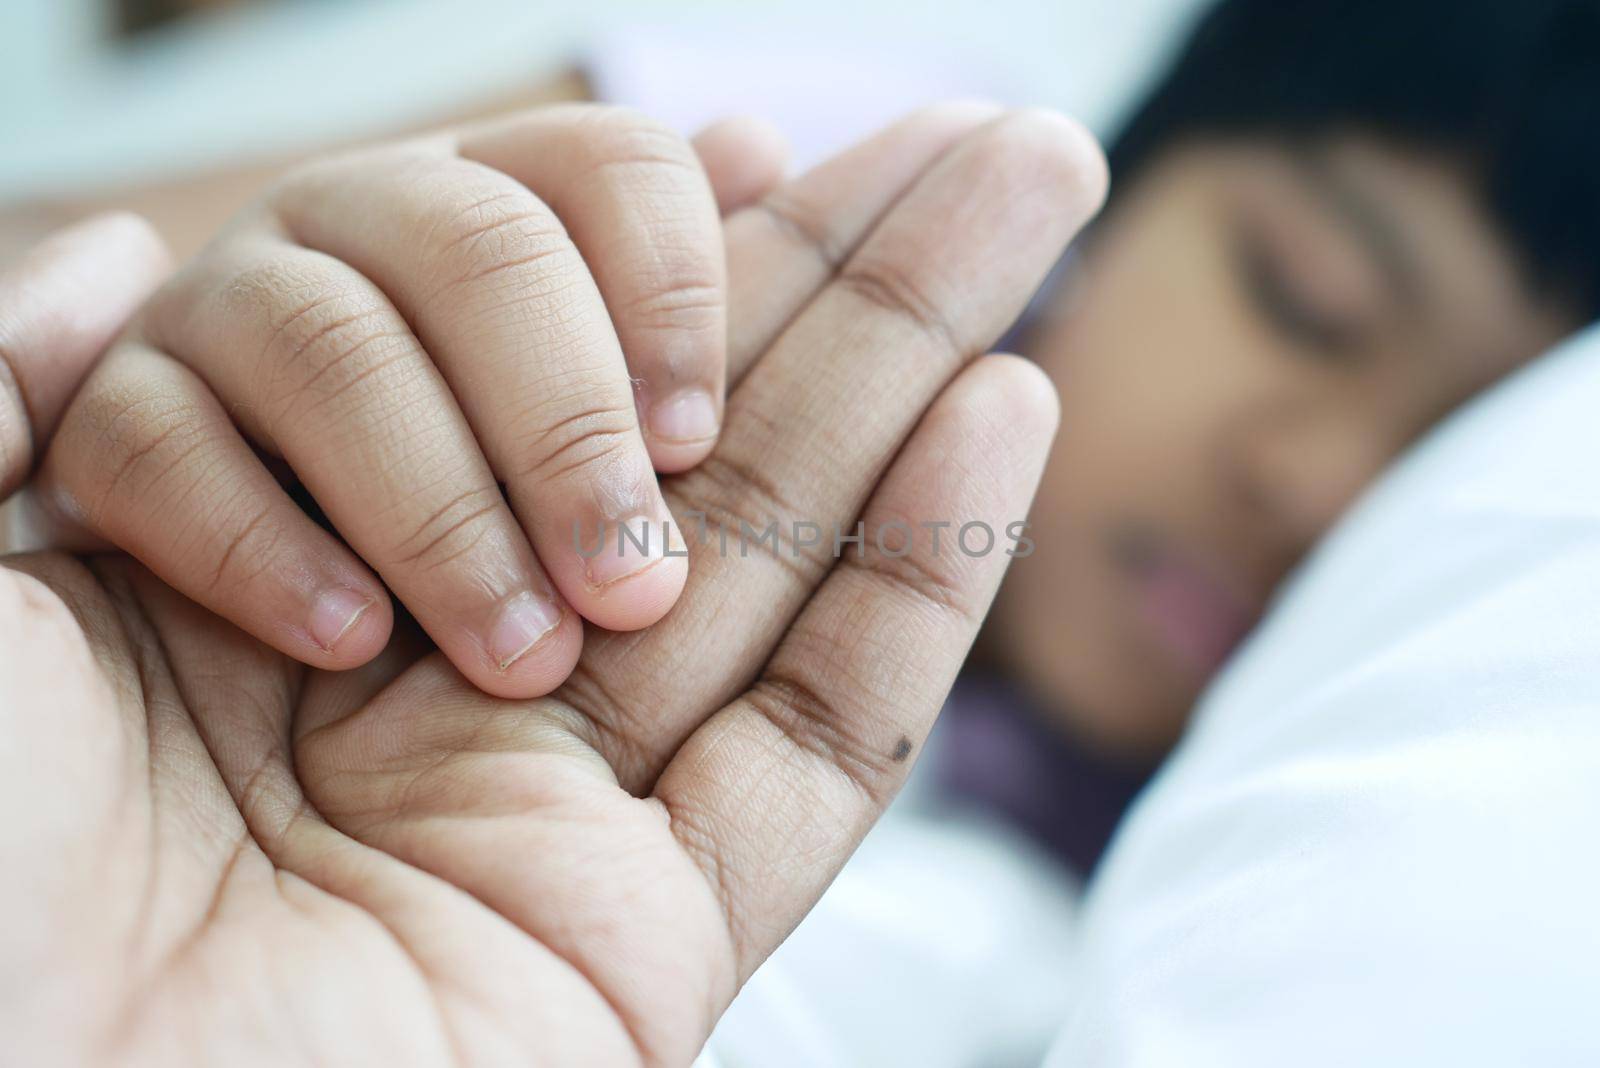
(627, 549)
(334, 613)
(523, 621)
(690, 415)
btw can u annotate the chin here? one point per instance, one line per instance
(1128, 712)
(1085, 659)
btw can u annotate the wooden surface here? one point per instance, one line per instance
(189, 210)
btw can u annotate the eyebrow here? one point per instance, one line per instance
(1368, 217)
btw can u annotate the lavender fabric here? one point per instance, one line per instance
(997, 751)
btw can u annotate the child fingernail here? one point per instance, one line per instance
(687, 416)
(334, 614)
(523, 621)
(627, 549)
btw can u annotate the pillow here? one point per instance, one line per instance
(1377, 844)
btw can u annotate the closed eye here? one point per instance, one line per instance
(1305, 326)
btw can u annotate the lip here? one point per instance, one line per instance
(1189, 610)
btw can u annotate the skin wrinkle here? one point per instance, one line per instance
(405, 471)
(746, 936)
(562, 314)
(489, 495)
(623, 1019)
(433, 985)
(281, 758)
(304, 314)
(434, 988)
(215, 472)
(496, 266)
(608, 719)
(497, 226)
(354, 306)
(259, 288)
(239, 540)
(598, 436)
(507, 240)
(567, 394)
(128, 614)
(801, 224)
(890, 289)
(686, 307)
(401, 493)
(803, 565)
(613, 488)
(183, 487)
(388, 365)
(615, 138)
(116, 482)
(701, 848)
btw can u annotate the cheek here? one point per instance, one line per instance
(1066, 633)
(1145, 367)
(1147, 363)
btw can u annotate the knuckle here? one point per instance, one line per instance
(135, 436)
(920, 583)
(620, 136)
(244, 547)
(322, 337)
(817, 726)
(903, 294)
(447, 530)
(674, 302)
(675, 267)
(805, 225)
(599, 436)
(733, 496)
(497, 232)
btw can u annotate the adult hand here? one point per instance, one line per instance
(216, 855)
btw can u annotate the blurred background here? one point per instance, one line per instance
(112, 100)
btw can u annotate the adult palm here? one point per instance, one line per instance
(214, 855)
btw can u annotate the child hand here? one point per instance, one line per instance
(535, 303)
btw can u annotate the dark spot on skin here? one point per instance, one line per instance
(902, 749)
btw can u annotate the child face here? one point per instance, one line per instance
(1254, 331)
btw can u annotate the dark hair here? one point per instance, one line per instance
(1512, 87)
